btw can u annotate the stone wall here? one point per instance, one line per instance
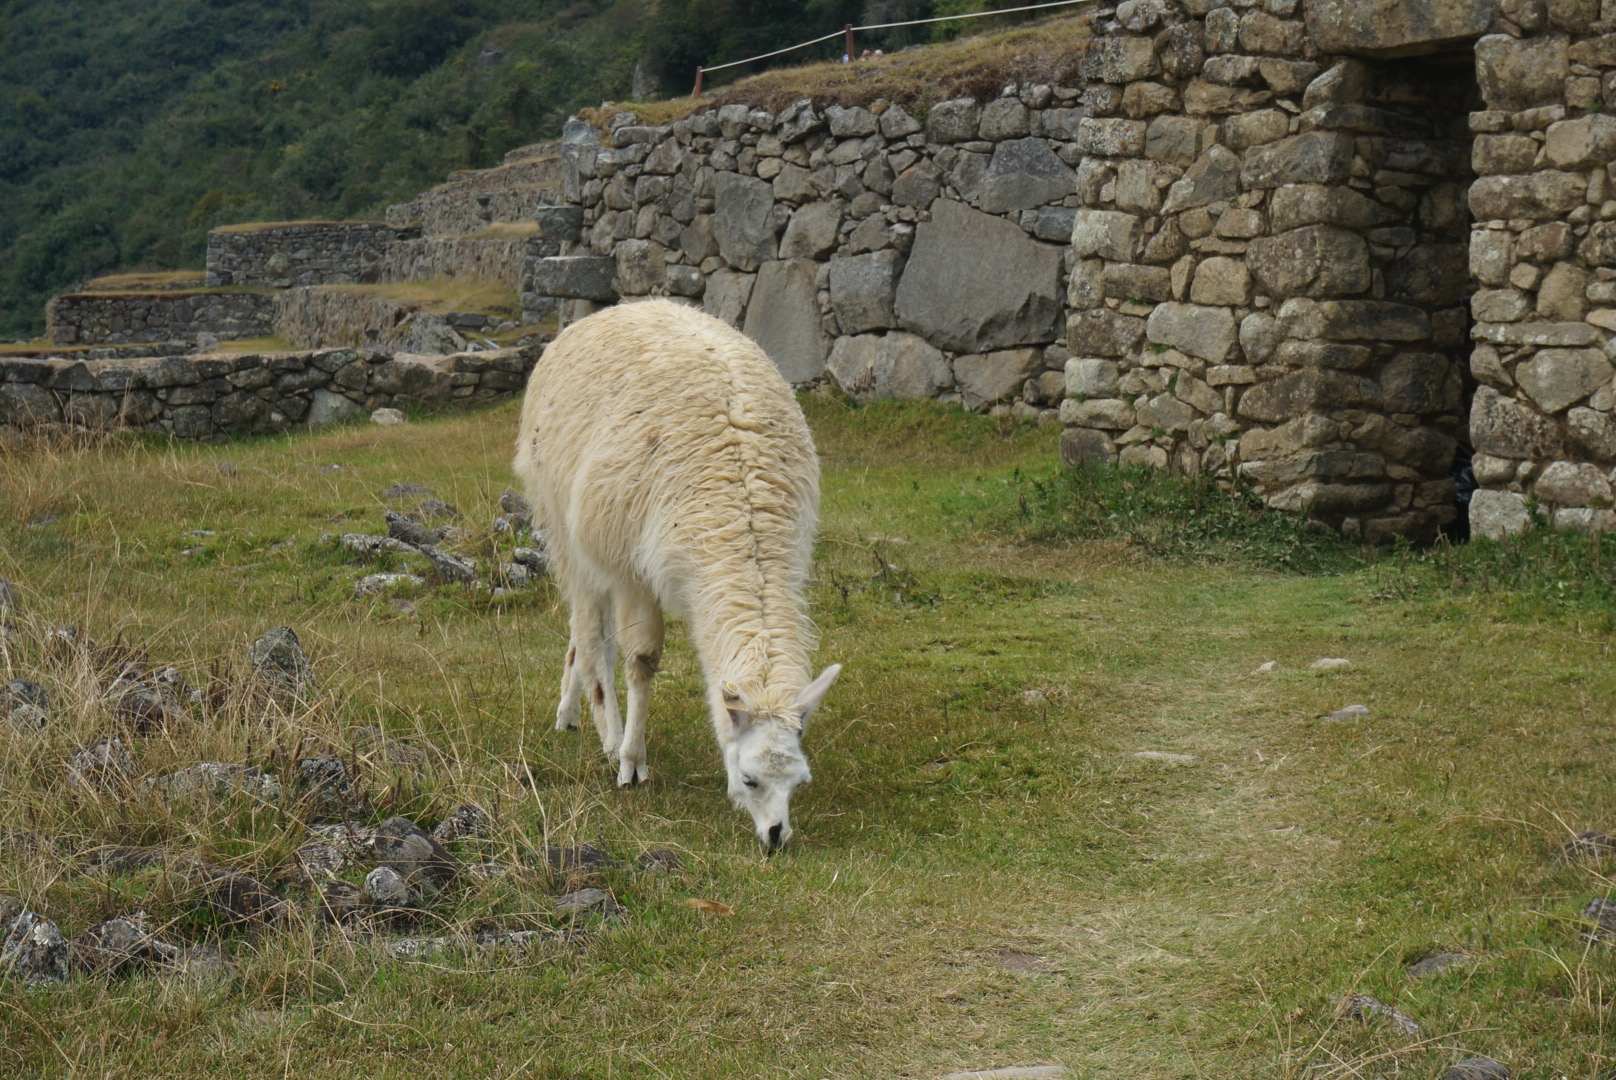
(1543, 258)
(1241, 245)
(119, 317)
(300, 253)
(474, 199)
(320, 316)
(210, 396)
(492, 259)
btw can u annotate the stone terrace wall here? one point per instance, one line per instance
(1241, 246)
(472, 200)
(324, 316)
(210, 396)
(115, 318)
(300, 253)
(459, 256)
(1543, 254)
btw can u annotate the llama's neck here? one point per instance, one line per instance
(755, 640)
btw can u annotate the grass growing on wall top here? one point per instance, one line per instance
(985, 872)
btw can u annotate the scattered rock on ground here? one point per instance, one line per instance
(449, 567)
(516, 511)
(33, 950)
(1163, 755)
(398, 842)
(25, 704)
(1435, 965)
(1013, 1072)
(118, 944)
(104, 763)
(341, 902)
(1266, 667)
(579, 857)
(1327, 663)
(386, 887)
(368, 547)
(1477, 1068)
(662, 860)
(434, 510)
(201, 964)
(236, 897)
(146, 703)
(380, 584)
(407, 490)
(377, 747)
(534, 559)
(1602, 913)
(1589, 845)
(387, 417)
(279, 661)
(328, 791)
(313, 863)
(1350, 712)
(468, 820)
(583, 901)
(409, 532)
(1364, 1008)
(514, 575)
(216, 779)
(483, 941)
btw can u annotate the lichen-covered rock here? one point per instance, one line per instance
(783, 318)
(33, 949)
(1006, 294)
(277, 659)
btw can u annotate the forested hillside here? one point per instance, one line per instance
(128, 130)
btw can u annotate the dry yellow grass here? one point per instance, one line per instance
(1048, 51)
(148, 280)
(440, 295)
(506, 230)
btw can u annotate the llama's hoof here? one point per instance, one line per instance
(566, 724)
(629, 774)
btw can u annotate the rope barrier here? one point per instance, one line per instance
(849, 30)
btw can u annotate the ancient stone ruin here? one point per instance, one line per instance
(1241, 242)
(1324, 249)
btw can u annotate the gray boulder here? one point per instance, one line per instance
(1023, 174)
(399, 843)
(986, 378)
(743, 220)
(864, 289)
(1006, 293)
(872, 367)
(277, 659)
(783, 318)
(33, 950)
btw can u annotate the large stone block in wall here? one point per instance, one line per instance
(1353, 320)
(1521, 73)
(1024, 173)
(783, 318)
(871, 367)
(575, 277)
(984, 378)
(1504, 427)
(1432, 275)
(1206, 332)
(1305, 391)
(743, 220)
(975, 283)
(1558, 378)
(1539, 195)
(863, 291)
(1313, 157)
(726, 295)
(812, 231)
(1315, 260)
(1393, 27)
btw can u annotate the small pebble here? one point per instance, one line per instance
(1351, 712)
(1269, 666)
(1477, 1068)
(1435, 965)
(1163, 755)
(1326, 663)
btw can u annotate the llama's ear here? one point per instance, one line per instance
(740, 710)
(812, 694)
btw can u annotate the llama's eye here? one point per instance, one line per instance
(749, 782)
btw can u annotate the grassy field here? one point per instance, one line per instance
(986, 872)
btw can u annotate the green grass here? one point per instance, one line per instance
(1012, 640)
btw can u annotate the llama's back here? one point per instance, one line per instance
(660, 444)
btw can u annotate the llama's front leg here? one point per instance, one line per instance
(641, 630)
(603, 693)
(567, 708)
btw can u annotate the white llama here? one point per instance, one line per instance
(671, 470)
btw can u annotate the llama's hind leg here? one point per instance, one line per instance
(600, 676)
(585, 627)
(639, 621)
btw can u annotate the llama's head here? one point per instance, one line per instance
(764, 757)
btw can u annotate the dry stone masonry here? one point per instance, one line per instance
(301, 253)
(210, 396)
(1317, 247)
(116, 318)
